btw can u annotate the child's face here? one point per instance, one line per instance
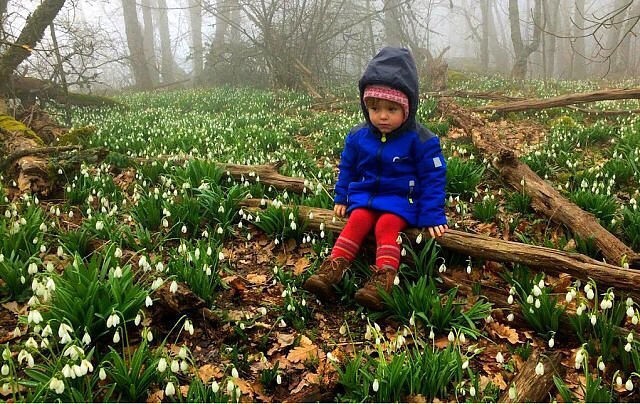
(385, 115)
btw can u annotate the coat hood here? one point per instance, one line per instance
(393, 67)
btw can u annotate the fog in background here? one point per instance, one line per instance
(314, 44)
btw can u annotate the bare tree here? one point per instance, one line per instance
(579, 68)
(551, 11)
(137, 56)
(523, 51)
(149, 42)
(195, 16)
(393, 31)
(166, 55)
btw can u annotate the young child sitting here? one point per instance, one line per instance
(392, 175)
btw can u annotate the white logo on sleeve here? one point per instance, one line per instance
(436, 162)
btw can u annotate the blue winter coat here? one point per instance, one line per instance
(406, 174)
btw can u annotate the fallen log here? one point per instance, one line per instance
(561, 101)
(489, 248)
(485, 95)
(544, 198)
(529, 386)
(268, 174)
(264, 173)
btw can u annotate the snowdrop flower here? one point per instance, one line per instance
(536, 291)
(174, 287)
(113, 320)
(451, 337)
(170, 390)
(116, 337)
(376, 385)
(215, 387)
(162, 365)
(630, 311)
(34, 317)
(148, 302)
(56, 385)
(499, 357)
(510, 317)
(175, 366)
(593, 319)
(234, 373)
(540, 369)
(102, 374)
(628, 385)
(552, 342)
(117, 272)
(99, 225)
(627, 347)
(590, 294)
(5, 370)
(512, 392)
(184, 366)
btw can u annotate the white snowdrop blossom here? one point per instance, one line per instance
(376, 385)
(174, 287)
(540, 369)
(162, 365)
(170, 390)
(628, 385)
(56, 385)
(499, 357)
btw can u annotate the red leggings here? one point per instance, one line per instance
(387, 228)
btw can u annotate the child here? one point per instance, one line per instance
(392, 175)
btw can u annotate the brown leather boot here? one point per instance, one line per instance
(382, 278)
(330, 273)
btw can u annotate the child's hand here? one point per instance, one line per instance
(437, 231)
(340, 210)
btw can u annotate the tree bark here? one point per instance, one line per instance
(137, 56)
(579, 60)
(522, 51)
(148, 42)
(485, 11)
(30, 35)
(551, 17)
(167, 62)
(545, 198)
(493, 249)
(531, 387)
(195, 16)
(392, 26)
(562, 100)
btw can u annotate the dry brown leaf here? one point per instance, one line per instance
(256, 279)
(301, 265)
(156, 397)
(307, 380)
(442, 342)
(184, 390)
(504, 332)
(208, 372)
(304, 351)
(498, 380)
(285, 339)
(244, 386)
(15, 308)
